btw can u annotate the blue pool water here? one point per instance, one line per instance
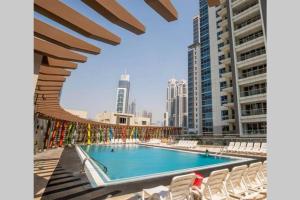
(129, 161)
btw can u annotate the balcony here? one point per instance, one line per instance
(224, 35)
(226, 89)
(224, 23)
(251, 54)
(261, 111)
(252, 27)
(225, 48)
(235, 4)
(226, 74)
(255, 131)
(250, 11)
(251, 44)
(257, 60)
(253, 73)
(223, 11)
(228, 119)
(226, 61)
(253, 92)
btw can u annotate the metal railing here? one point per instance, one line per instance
(245, 8)
(256, 52)
(102, 166)
(246, 23)
(253, 73)
(254, 92)
(249, 38)
(260, 111)
(255, 131)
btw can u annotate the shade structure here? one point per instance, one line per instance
(60, 52)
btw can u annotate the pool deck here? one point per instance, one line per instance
(64, 180)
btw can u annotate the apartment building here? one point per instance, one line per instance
(241, 34)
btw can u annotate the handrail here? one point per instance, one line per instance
(86, 158)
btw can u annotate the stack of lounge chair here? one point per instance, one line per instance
(242, 182)
(154, 141)
(246, 148)
(187, 143)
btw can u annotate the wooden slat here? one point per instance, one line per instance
(59, 37)
(116, 14)
(48, 95)
(49, 49)
(44, 88)
(49, 83)
(212, 3)
(43, 77)
(163, 7)
(61, 63)
(53, 71)
(72, 19)
(46, 92)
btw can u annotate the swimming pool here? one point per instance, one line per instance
(136, 162)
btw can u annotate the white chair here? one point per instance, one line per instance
(180, 188)
(242, 147)
(229, 147)
(213, 187)
(249, 147)
(263, 149)
(236, 147)
(256, 148)
(252, 179)
(263, 173)
(235, 185)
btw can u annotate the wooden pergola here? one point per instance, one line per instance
(57, 53)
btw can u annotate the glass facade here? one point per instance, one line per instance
(207, 122)
(191, 89)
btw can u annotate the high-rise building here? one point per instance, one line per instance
(243, 65)
(132, 108)
(123, 94)
(176, 109)
(193, 79)
(203, 74)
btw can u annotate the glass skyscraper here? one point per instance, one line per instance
(123, 94)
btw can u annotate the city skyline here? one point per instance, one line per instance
(96, 79)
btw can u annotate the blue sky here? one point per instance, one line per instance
(151, 59)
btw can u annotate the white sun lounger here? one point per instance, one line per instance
(252, 179)
(180, 188)
(263, 149)
(255, 148)
(242, 147)
(235, 185)
(229, 147)
(236, 147)
(249, 147)
(213, 187)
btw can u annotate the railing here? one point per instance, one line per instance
(225, 102)
(252, 54)
(253, 73)
(227, 117)
(261, 111)
(222, 140)
(253, 92)
(255, 131)
(103, 167)
(249, 21)
(246, 8)
(225, 86)
(249, 38)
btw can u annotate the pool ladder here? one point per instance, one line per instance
(220, 152)
(104, 168)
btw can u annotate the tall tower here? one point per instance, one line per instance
(123, 94)
(242, 42)
(203, 74)
(194, 85)
(176, 114)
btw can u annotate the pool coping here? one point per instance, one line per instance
(92, 169)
